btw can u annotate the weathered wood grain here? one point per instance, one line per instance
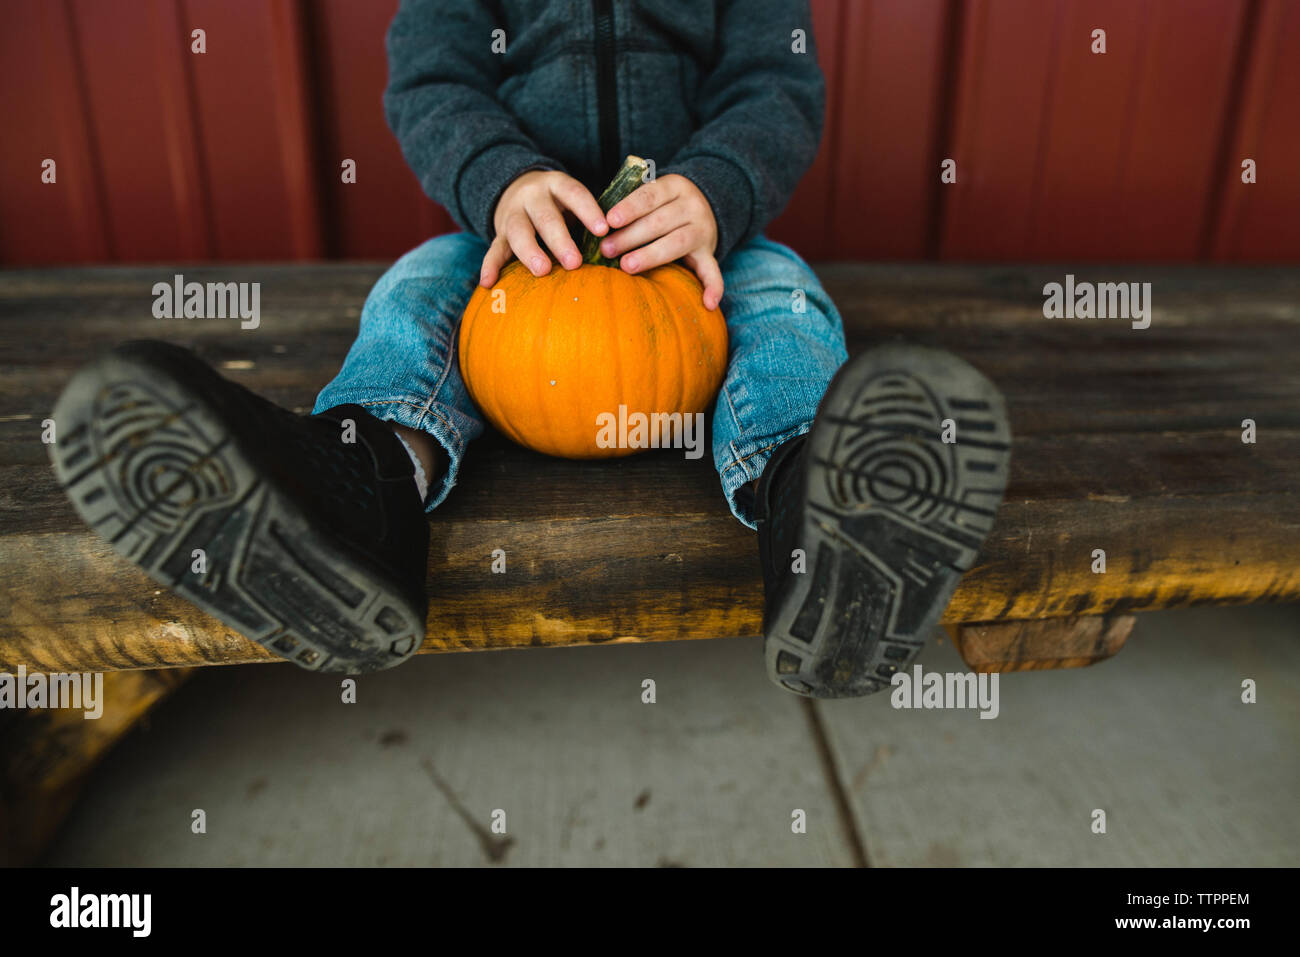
(1041, 643)
(1126, 440)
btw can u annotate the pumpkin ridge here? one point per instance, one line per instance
(670, 313)
(516, 293)
(616, 318)
(555, 354)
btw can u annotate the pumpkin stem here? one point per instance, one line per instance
(629, 176)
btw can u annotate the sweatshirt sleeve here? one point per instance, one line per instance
(464, 146)
(761, 111)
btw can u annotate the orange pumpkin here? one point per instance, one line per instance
(543, 359)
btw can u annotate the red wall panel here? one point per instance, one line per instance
(132, 118)
(1260, 222)
(42, 95)
(1089, 119)
(1062, 154)
(1126, 174)
(1068, 154)
(886, 167)
(385, 212)
(1002, 92)
(870, 192)
(245, 143)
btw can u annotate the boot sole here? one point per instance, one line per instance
(892, 517)
(155, 468)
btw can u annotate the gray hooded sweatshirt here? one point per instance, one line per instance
(727, 93)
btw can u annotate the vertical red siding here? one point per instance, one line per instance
(181, 135)
(42, 91)
(1005, 56)
(1079, 207)
(887, 166)
(125, 117)
(1132, 137)
(235, 103)
(869, 193)
(295, 120)
(1260, 222)
(385, 212)
(1067, 154)
(1062, 154)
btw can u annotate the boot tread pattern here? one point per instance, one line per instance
(894, 515)
(158, 474)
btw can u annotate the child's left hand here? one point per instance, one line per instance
(662, 221)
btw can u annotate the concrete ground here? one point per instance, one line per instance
(714, 772)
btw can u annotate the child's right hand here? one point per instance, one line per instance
(534, 204)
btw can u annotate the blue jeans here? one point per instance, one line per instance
(786, 341)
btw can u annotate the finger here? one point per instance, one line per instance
(665, 249)
(550, 225)
(710, 274)
(636, 204)
(647, 229)
(578, 199)
(523, 240)
(498, 255)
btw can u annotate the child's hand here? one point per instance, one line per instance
(533, 204)
(662, 221)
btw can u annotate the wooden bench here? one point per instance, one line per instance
(1126, 440)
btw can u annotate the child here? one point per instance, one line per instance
(511, 114)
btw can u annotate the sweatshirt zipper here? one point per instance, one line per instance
(606, 85)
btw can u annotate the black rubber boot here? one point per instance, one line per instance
(867, 523)
(313, 546)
